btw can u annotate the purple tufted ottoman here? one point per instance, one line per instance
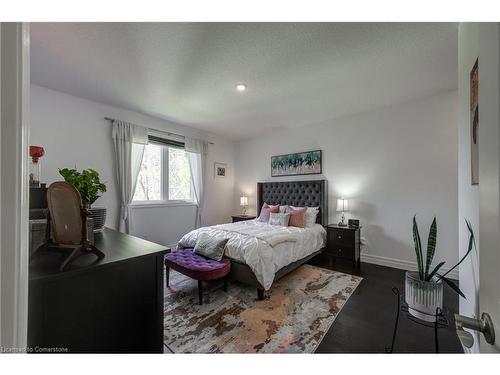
(197, 267)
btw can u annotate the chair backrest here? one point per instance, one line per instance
(65, 213)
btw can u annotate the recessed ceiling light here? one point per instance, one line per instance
(241, 87)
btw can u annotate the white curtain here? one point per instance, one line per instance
(129, 141)
(197, 152)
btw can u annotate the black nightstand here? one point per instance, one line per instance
(343, 242)
(242, 218)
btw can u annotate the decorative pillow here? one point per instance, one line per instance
(311, 213)
(266, 211)
(210, 247)
(279, 219)
(297, 217)
(283, 209)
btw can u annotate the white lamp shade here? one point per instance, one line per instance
(243, 201)
(342, 205)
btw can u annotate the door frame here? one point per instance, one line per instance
(14, 190)
(489, 177)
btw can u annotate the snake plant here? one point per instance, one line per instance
(424, 270)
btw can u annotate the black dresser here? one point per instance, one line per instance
(343, 242)
(114, 306)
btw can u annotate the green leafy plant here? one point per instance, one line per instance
(86, 182)
(424, 270)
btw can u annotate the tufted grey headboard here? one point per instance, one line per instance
(295, 193)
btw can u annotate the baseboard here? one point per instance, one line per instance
(401, 264)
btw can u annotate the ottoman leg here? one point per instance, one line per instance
(167, 275)
(225, 284)
(260, 294)
(200, 292)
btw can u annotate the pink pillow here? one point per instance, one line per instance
(297, 217)
(266, 211)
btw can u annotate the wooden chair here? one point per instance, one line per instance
(67, 222)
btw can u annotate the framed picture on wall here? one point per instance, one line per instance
(220, 170)
(301, 163)
(474, 123)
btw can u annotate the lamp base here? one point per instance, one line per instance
(342, 223)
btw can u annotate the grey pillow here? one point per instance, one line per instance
(210, 247)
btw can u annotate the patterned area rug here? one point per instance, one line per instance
(293, 318)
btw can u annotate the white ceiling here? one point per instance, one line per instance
(297, 74)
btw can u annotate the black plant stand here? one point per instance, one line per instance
(440, 320)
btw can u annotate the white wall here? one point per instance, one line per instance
(74, 133)
(391, 163)
(468, 195)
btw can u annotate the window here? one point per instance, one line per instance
(164, 175)
(179, 175)
(149, 185)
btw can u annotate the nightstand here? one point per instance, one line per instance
(343, 242)
(237, 218)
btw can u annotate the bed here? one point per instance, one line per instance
(261, 253)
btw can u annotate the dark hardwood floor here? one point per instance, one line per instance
(366, 323)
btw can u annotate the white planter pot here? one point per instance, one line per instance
(423, 297)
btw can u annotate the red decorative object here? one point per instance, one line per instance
(36, 152)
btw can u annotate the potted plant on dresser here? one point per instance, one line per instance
(90, 187)
(424, 288)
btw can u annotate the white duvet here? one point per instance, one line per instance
(263, 247)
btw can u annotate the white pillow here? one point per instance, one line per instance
(283, 209)
(311, 214)
(279, 219)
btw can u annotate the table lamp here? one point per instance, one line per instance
(244, 204)
(342, 206)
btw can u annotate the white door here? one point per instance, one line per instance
(489, 178)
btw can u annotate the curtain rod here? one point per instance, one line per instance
(163, 131)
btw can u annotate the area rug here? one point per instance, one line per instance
(293, 318)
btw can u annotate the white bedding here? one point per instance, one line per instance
(263, 247)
